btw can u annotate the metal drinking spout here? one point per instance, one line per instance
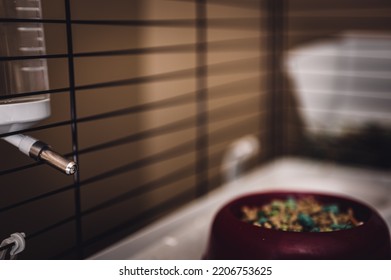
(41, 151)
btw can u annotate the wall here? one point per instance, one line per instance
(146, 120)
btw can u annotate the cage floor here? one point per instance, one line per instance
(184, 234)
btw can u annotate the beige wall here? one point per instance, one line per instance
(237, 106)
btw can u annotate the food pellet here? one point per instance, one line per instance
(301, 215)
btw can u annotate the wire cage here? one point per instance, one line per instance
(146, 97)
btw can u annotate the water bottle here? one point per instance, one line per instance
(22, 39)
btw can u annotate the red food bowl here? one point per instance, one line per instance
(231, 238)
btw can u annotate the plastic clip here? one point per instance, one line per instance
(19, 244)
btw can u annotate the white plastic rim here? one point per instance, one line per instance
(23, 142)
(17, 116)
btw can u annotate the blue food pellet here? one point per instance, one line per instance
(263, 220)
(315, 229)
(340, 226)
(333, 208)
(305, 220)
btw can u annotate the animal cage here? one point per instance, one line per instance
(148, 96)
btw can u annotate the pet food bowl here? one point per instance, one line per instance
(232, 238)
